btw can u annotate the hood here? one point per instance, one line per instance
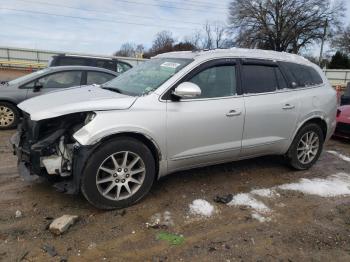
(75, 100)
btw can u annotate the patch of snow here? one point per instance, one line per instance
(260, 218)
(265, 192)
(334, 185)
(201, 207)
(246, 199)
(341, 156)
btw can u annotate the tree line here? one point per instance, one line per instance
(292, 26)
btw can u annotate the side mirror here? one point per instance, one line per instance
(187, 90)
(37, 86)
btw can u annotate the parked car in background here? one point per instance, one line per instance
(174, 112)
(113, 64)
(345, 98)
(343, 122)
(44, 81)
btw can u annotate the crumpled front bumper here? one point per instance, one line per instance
(23, 163)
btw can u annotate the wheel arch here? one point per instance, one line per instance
(147, 140)
(316, 120)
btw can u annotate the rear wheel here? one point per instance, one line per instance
(118, 174)
(9, 116)
(306, 147)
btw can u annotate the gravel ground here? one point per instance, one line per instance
(180, 221)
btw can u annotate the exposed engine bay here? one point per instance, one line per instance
(47, 147)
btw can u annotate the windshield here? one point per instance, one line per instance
(27, 77)
(147, 77)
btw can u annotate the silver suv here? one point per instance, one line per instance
(176, 111)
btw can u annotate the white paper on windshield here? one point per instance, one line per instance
(170, 65)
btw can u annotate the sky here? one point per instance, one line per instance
(101, 26)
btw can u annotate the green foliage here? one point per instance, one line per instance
(172, 239)
(339, 61)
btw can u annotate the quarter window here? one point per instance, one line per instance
(218, 81)
(258, 79)
(302, 75)
(98, 78)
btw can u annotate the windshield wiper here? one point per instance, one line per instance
(113, 89)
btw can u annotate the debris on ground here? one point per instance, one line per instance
(201, 207)
(246, 199)
(23, 256)
(223, 199)
(171, 238)
(334, 185)
(159, 220)
(61, 224)
(49, 250)
(18, 214)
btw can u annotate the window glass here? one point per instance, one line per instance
(122, 67)
(98, 78)
(282, 84)
(108, 64)
(258, 79)
(147, 77)
(216, 81)
(302, 75)
(67, 61)
(59, 80)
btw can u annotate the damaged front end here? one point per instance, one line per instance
(47, 148)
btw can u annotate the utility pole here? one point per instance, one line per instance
(323, 39)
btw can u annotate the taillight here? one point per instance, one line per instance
(338, 112)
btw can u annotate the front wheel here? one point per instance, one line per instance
(118, 174)
(306, 147)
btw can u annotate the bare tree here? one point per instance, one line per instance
(341, 41)
(194, 39)
(282, 25)
(163, 42)
(126, 50)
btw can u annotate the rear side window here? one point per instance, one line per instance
(108, 64)
(259, 79)
(302, 75)
(67, 61)
(98, 78)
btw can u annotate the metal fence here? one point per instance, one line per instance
(23, 57)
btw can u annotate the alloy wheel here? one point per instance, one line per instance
(120, 175)
(308, 147)
(7, 116)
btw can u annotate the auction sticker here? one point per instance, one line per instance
(170, 65)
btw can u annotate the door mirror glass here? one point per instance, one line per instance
(187, 90)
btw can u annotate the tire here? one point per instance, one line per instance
(103, 172)
(295, 153)
(9, 116)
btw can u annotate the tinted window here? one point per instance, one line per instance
(59, 80)
(302, 75)
(122, 67)
(216, 81)
(282, 84)
(258, 79)
(98, 78)
(108, 64)
(66, 61)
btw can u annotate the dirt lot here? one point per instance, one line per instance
(288, 225)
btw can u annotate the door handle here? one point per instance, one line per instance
(288, 106)
(233, 113)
